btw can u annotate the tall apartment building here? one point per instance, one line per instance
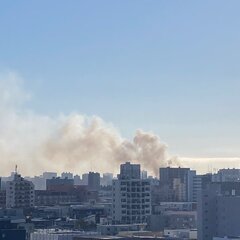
(93, 181)
(131, 196)
(175, 181)
(180, 184)
(19, 193)
(219, 210)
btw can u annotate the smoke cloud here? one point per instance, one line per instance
(75, 143)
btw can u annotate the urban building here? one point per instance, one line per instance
(49, 175)
(175, 181)
(59, 184)
(106, 180)
(77, 180)
(66, 195)
(10, 231)
(131, 196)
(144, 174)
(227, 175)
(178, 184)
(2, 198)
(85, 179)
(94, 181)
(67, 175)
(219, 210)
(19, 193)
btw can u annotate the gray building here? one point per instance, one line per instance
(68, 175)
(93, 181)
(219, 210)
(49, 175)
(227, 175)
(131, 196)
(19, 193)
(59, 183)
(179, 184)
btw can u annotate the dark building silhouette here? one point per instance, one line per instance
(93, 181)
(10, 231)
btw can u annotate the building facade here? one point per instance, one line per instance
(93, 181)
(219, 210)
(131, 196)
(19, 193)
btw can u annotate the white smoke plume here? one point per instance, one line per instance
(74, 143)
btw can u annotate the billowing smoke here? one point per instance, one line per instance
(82, 143)
(67, 143)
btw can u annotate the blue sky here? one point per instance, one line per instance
(171, 67)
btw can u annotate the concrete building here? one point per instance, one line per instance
(59, 184)
(176, 182)
(94, 181)
(179, 184)
(49, 175)
(77, 180)
(131, 196)
(38, 181)
(144, 174)
(106, 180)
(219, 210)
(68, 175)
(66, 195)
(227, 175)
(19, 193)
(84, 179)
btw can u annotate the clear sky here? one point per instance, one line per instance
(171, 67)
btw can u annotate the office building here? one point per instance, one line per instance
(19, 193)
(179, 184)
(131, 196)
(219, 210)
(175, 181)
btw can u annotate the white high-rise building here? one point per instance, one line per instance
(19, 193)
(131, 196)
